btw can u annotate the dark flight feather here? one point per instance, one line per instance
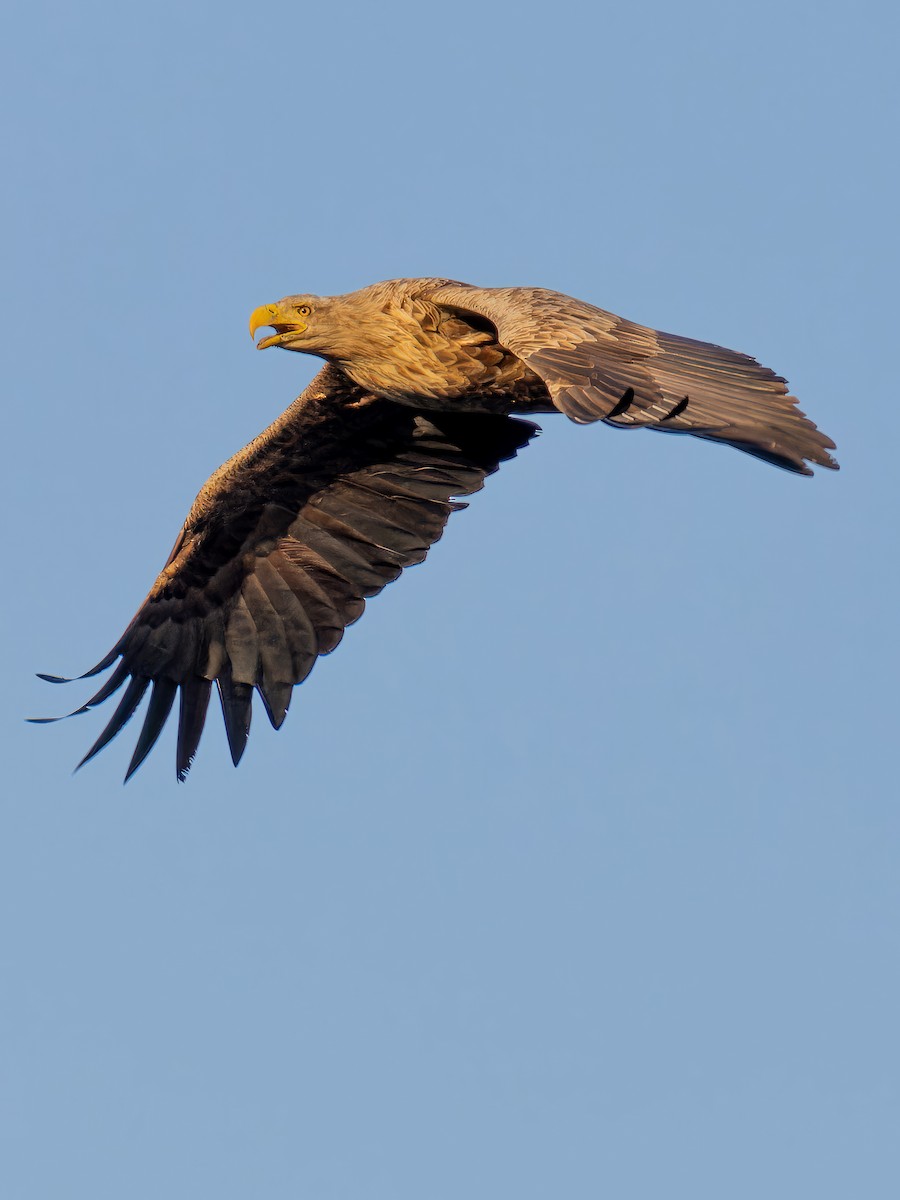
(161, 699)
(137, 685)
(194, 701)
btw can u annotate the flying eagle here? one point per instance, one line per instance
(356, 479)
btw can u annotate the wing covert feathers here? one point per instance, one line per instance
(282, 548)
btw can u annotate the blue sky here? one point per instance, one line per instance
(574, 870)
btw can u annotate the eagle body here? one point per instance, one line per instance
(417, 404)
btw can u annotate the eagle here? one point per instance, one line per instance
(421, 397)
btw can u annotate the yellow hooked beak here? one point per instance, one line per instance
(280, 317)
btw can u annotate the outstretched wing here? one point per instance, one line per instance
(600, 367)
(281, 549)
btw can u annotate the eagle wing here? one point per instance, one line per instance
(600, 367)
(281, 549)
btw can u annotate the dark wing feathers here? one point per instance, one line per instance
(237, 709)
(326, 599)
(600, 367)
(281, 549)
(161, 699)
(131, 698)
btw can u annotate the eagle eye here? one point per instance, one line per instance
(304, 310)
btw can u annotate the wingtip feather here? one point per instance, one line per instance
(161, 699)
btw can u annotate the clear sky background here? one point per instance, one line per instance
(574, 872)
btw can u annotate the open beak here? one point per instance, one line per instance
(283, 320)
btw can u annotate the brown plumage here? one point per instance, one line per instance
(357, 479)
